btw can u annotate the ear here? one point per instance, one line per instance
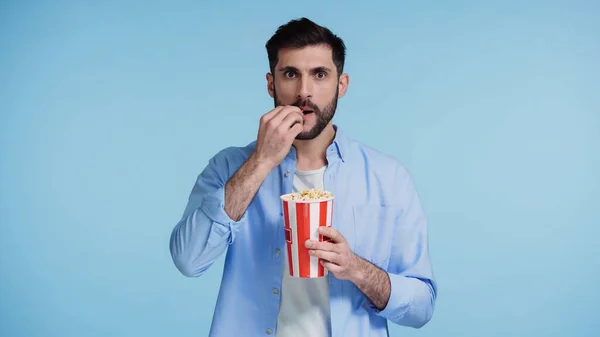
(270, 85)
(343, 85)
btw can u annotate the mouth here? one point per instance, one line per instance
(306, 110)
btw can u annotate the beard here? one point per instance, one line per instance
(323, 116)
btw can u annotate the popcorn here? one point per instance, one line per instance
(304, 212)
(309, 195)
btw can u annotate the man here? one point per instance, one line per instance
(378, 260)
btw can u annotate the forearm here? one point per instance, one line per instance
(407, 293)
(412, 301)
(214, 214)
(243, 186)
(373, 282)
(196, 242)
(406, 301)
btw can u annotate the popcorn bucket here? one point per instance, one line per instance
(302, 217)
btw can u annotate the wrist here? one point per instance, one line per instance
(358, 273)
(259, 165)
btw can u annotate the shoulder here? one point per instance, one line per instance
(230, 159)
(234, 154)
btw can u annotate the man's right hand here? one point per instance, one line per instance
(278, 129)
(276, 133)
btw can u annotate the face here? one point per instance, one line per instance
(307, 78)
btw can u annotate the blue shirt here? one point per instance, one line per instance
(376, 208)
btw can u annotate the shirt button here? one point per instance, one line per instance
(275, 291)
(277, 251)
(269, 331)
(287, 174)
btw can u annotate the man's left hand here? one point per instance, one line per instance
(336, 255)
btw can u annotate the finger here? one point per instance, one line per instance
(326, 246)
(291, 119)
(329, 256)
(295, 130)
(332, 233)
(332, 267)
(286, 110)
(269, 115)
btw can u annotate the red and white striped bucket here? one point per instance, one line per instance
(301, 222)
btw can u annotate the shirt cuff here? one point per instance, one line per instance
(399, 302)
(223, 227)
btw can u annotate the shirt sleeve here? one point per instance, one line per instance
(413, 287)
(205, 229)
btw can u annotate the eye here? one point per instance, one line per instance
(289, 74)
(321, 75)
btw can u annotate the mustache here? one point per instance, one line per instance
(306, 103)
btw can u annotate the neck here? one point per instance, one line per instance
(312, 154)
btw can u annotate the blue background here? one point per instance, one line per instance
(108, 111)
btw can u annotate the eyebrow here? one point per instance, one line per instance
(294, 69)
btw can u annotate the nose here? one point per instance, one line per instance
(304, 88)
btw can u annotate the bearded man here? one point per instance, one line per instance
(377, 253)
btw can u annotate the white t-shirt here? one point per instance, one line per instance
(304, 309)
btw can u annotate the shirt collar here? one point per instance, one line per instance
(336, 150)
(339, 145)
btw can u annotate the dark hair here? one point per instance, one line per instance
(301, 33)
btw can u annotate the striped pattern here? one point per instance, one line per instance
(301, 221)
